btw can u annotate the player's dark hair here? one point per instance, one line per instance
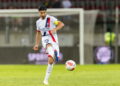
(42, 7)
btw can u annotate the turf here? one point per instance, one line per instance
(33, 75)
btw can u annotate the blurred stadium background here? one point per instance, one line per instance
(17, 33)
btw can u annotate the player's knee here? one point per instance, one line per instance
(48, 45)
(50, 51)
(50, 60)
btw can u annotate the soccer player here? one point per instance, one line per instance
(47, 27)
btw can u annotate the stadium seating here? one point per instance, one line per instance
(86, 4)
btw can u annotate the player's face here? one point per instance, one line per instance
(42, 14)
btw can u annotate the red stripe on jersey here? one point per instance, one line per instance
(52, 36)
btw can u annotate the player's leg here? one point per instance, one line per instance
(55, 45)
(56, 51)
(50, 51)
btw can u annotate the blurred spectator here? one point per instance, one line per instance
(66, 4)
(56, 4)
(104, 54)
(109, 37)
(47, 3)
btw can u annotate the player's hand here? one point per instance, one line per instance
(35, 48)
(53, 30)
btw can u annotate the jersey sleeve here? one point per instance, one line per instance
(54, 20)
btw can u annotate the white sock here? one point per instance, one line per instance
(48, 71)
(50, 51)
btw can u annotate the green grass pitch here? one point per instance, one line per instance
(33, 75)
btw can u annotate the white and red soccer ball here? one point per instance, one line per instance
(70, 65)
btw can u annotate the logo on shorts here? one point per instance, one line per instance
(46, 41)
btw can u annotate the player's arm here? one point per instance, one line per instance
(59, 25)
(37, 40)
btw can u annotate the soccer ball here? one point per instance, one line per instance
(70, 65)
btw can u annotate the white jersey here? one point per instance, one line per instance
(44, 26)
